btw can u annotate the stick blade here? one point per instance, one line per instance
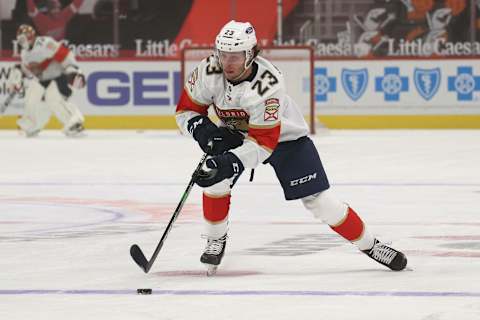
(139, 257)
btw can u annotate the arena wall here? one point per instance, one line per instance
(413, 93)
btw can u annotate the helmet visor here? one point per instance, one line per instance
(231, 57)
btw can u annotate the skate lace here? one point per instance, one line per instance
(215, 246)
(382, 253)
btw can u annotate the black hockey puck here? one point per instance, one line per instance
(144, 291)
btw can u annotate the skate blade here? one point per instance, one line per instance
(75, 135)
(211, 270)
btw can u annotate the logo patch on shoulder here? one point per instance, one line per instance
(192, 79)
(271, 109)
(51, 46)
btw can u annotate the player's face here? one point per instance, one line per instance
(233, 64)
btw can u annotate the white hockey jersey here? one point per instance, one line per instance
(47, 59)
(257, 106)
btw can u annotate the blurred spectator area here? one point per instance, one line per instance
(322, 19)
(370, 22)
(325, 19)
(138, 19)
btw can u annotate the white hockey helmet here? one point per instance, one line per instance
(237, 37)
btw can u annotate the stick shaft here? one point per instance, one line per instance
(175, 215)
(7, 102)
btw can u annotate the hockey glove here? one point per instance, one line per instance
(223, 140)
(212, 139)
(202, 129)
(222, 167)
(75, 77)
(79, 81)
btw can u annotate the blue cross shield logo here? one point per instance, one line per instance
(427, 81)
(392, 84)
(355, 82)
(465, 83)
(323, 84)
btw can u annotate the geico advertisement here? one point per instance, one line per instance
(118, 88)
(130, 87)
(16, 106)
(398, 87)
(341, 87)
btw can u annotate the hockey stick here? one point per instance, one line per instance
(7, 102)
(135, 250)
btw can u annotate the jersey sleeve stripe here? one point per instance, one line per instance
(265, 136)
(263, 147)
(187, 104)
(45, 63)
(256, 126)
(61, 53)
(59, 56)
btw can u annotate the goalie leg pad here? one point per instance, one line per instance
(77, 116)
(36, 114)
(61, 84)
(66, 112)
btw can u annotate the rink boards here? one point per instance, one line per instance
(419, 93)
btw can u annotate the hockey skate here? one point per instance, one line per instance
(213, 254)
(387, 256)
(27, 128)
(76, 130)
(32, 134)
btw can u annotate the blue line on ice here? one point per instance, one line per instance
(246, 293)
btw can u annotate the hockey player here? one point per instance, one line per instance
(51, 71)
(248, 95)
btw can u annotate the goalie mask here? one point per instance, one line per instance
(25, 36)
(238, 37)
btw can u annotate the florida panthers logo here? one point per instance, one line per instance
(355, 82)
(427, 81)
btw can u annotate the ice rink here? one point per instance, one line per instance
(71, 208)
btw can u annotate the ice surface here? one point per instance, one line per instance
(71, 208)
